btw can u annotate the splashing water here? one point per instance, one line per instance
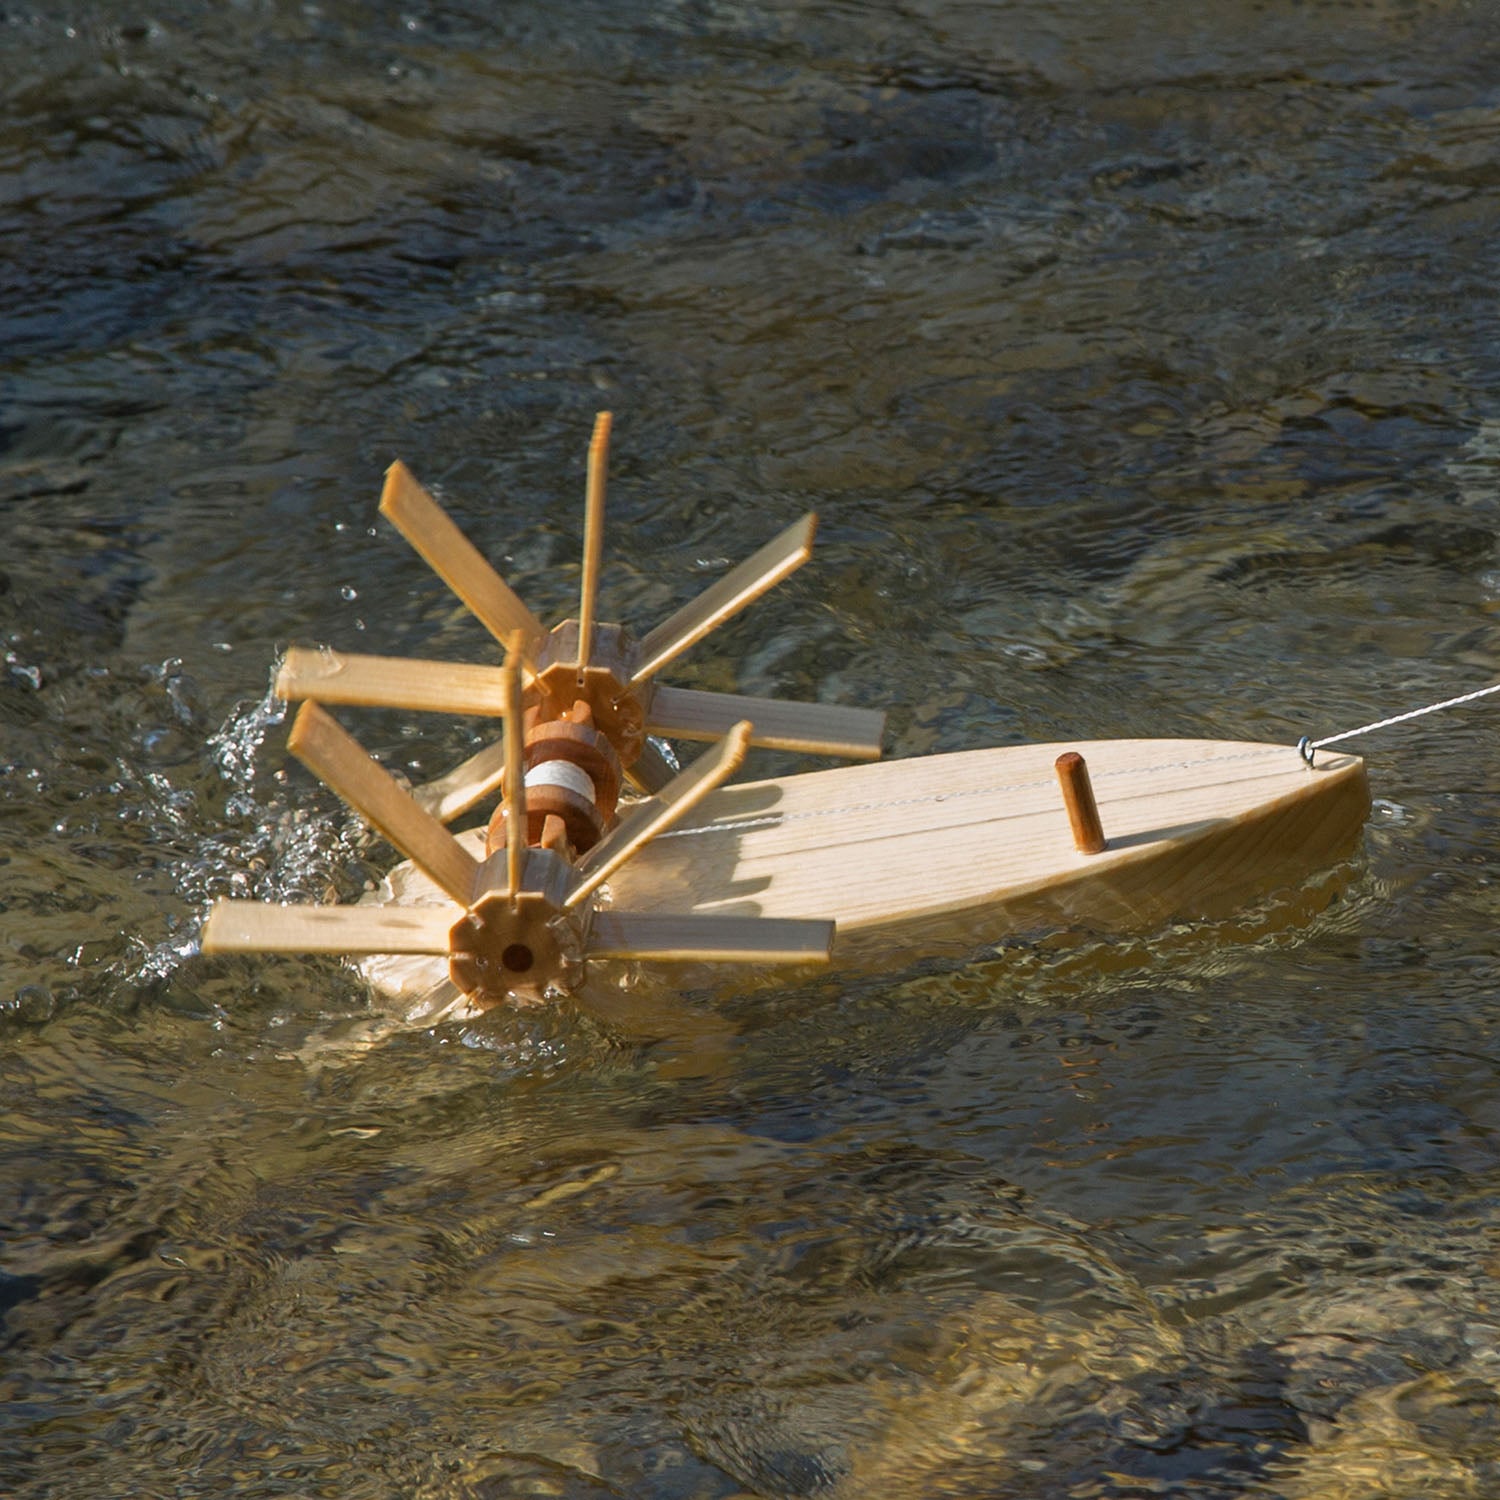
(273, 850)
(236, 745)
(264, 847)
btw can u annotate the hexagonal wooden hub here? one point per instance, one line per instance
(619, 709)
(528, 946)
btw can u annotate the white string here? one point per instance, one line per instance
(1307, 746)
(561, 773)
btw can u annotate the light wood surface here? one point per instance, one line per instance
(951, 852)
(593, 535)
(341, 761)
(780, 556)
(709, 939)
(515, 771)
(453, 557)
(776, 723)
(451, 795)
(650, 819)
(258, 927)
(984, 836)
(445, 687)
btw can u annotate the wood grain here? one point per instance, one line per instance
(515, 771)
(1192, 825)
(780, 556)
(451, 795)
(709, 939)
(444, 687)
(593, 535)
(453, 557)
(949, 853)
(259, 927)
(776, 723)
(648, 820)
(331, 753)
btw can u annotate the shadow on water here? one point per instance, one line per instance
(1141, 364)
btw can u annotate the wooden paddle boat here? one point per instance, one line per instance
(849, 865)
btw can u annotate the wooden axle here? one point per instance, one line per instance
(571, 778)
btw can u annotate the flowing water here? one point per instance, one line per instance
(1143, 364)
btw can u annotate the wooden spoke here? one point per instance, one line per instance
(445, 687)
(258, 927)
(515, 772)
(593, 535)
(450, 796)
(710, 939)
(329, 752)
(810, 728)
(650, 771)
(647, 819)
(779, 557)
(453, 557)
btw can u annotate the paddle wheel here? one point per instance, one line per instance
(578, 705)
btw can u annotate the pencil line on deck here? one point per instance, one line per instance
(777, 820)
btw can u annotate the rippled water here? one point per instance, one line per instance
(1143, 364)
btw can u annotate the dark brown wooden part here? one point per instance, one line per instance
(572, 737)
(1078, 797)
(555, 837)
(581, 821)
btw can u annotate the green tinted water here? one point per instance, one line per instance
(1144, 367)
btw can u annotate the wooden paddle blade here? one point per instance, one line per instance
(810, 728)
(647, 819)
(335, 756)
(780, 556)
(445, 687)
(454, 558)
(593, 535)
(515, 772)
(451, 795)
(710, 939)
(258, 927)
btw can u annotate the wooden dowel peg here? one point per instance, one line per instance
(1078, 797)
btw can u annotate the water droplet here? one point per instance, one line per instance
(33, 1004)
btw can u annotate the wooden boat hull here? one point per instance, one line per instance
(952, 852)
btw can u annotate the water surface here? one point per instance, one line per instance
(1143, 365)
